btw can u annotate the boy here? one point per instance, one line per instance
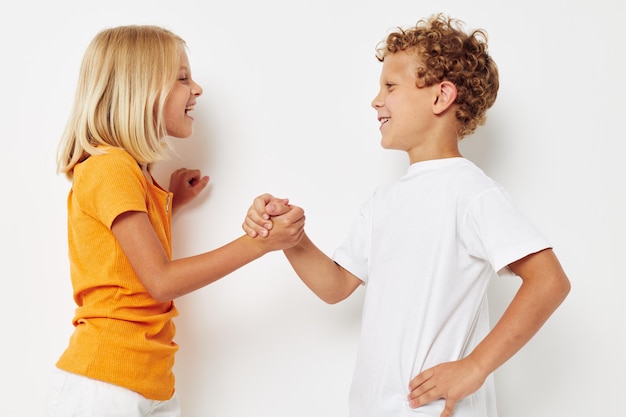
(426, 246)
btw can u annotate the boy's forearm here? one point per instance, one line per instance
(319, 272)
(543, 289)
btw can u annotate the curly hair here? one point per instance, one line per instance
(447, 52)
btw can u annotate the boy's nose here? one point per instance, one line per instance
(377, 102)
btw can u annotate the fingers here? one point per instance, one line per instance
(188, 178)
(255, 225)
(198, 183)
(288, 228)
(277, 206)
(445, 381)
(259, 204)
(294, 215)
(428, 392)
(258, 221)
(186, 184)
(448, 409)
(421, 389)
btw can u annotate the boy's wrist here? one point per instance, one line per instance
(479, 365)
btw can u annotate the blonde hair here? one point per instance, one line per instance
(446, 52)
(125, 77)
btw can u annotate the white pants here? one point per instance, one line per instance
(71, 395)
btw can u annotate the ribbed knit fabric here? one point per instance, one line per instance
(122, 335)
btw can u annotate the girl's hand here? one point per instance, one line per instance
(186, 184)
(258, 221)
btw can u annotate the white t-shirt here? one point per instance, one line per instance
(426, 247)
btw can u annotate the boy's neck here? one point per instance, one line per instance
(438, 150)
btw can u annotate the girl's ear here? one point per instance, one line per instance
(445, 97)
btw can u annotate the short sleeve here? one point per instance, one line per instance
(108, 185)
(353, 253)
(496, 231)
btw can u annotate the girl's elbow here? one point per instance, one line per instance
(159, 293)
(160, 296)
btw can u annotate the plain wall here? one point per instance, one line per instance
(286, 110)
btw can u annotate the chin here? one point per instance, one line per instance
(386, 144)
(180, 135)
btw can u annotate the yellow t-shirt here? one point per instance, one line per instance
(122, 335)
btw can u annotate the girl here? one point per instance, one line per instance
(135, 89)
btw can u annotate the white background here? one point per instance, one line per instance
(287, 87)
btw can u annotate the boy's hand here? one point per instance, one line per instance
(451, 381)
(287, 230)
(186, 184)
(259, 221)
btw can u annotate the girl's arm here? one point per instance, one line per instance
(166, 280)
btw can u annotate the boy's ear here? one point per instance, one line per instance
(446, 96)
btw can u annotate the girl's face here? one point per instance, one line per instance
(181, 101)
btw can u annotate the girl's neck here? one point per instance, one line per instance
(146, 172)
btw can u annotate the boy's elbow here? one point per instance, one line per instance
(565, 286)
(336, 294)
(558, 288)
(333, 298)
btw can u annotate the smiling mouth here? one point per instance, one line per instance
(383, 120)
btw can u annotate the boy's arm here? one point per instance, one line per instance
(327, 279)
(544, 287)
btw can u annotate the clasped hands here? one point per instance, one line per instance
(270, 213)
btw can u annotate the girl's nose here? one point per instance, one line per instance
(196, 90)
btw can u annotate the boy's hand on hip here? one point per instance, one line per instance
(451, 381)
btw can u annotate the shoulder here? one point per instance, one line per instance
(469, 181)
(113, 169)
(112, 162)
(469, 172)
(113, 156)
(108, 184)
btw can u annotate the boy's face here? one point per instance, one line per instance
(404, 110)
